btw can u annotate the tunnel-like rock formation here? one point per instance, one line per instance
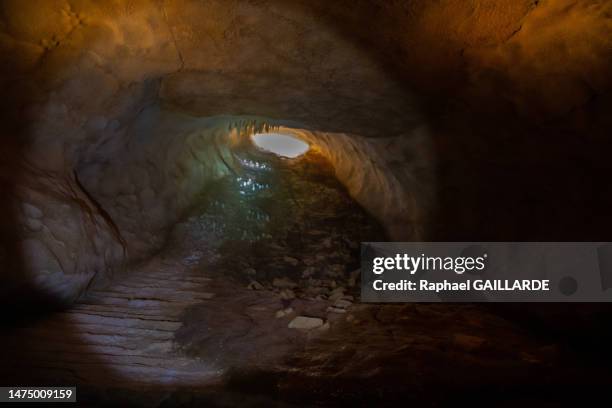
(125, 112)
(115, 106)
(448, 120)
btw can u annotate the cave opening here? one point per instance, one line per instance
(276, 223)
(280, 144)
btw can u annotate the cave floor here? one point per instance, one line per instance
(211, 320)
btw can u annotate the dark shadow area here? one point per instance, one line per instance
(22, 303)
(20, 299)
(505, 172)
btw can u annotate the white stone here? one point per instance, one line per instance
(305, 323)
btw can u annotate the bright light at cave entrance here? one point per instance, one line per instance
(282, 145)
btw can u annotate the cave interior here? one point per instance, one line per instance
(186, 184)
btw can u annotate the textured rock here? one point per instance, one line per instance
(333, 309)
(254, 285)
(283, 283)
(305, 323)
(284, 312)
(142, 103)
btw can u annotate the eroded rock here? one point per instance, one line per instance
(305, 323)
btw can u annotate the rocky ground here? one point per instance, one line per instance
(286, 226)
(286, 323)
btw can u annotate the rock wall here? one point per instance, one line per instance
(65, 240)
(153, 179)
(392, 178)
(115, 114)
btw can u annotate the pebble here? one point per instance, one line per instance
(333, 309)
(290, 260)
(354, 277)
(283, 283)
(316, 291)
(305, 323)
(342, 304)
(254, 285)
(287, 294)
(309, 261)
(336, 294)
(324, 327)
(284, 312)
(308, 272)
(33, 224)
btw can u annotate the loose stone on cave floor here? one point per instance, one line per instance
(305, 323)
(290, 260)
(333, 309)
(287, 294)
(254, 285)
(343, 304)
(283, 283)
(284, 312)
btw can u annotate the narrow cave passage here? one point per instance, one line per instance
(278, 219)
(287, 231)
